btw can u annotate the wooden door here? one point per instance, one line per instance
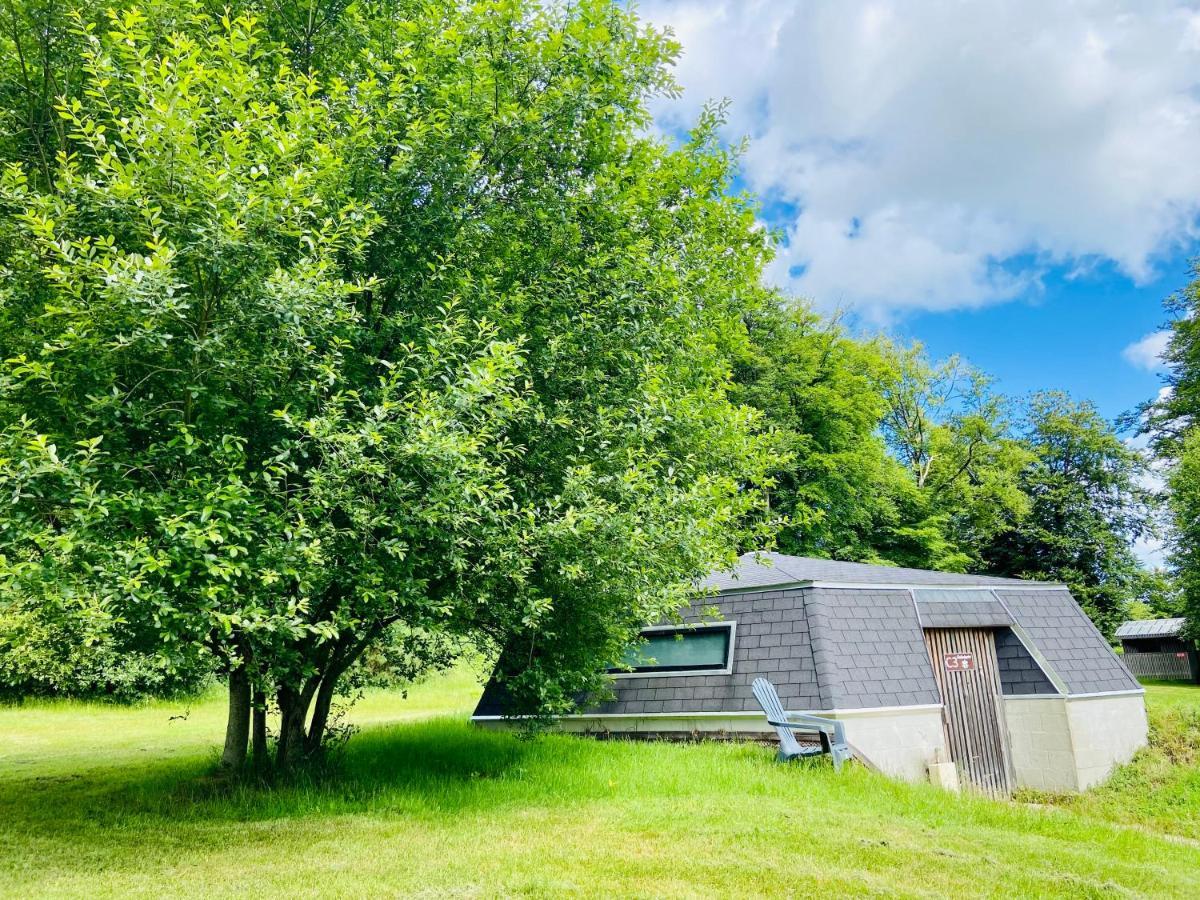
(965, 667)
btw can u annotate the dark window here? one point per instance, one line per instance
(703, 648)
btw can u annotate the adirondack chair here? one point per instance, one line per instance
(831, 732)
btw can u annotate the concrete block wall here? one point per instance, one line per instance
(1073, 743)
(1040, 741)
(1105, 731)
(1056, 743)
(899, 742)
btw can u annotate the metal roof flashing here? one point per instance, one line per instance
(763, 571)
(886, 586)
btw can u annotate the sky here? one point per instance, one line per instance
(1016, 182)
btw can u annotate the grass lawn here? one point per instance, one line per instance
(107, 801)
(1173, 695)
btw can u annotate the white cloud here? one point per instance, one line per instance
(944, 154)
(1147, 353)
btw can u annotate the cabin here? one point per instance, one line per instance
(1156, 648)
(1008, 680)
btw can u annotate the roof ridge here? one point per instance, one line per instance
(774, 561)
(778, 559)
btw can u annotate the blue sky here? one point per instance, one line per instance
(1013, 182)
(1069, 335)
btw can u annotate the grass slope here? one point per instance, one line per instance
(107, 801)
(1160, 790)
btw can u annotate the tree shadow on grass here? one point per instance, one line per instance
(432, 767)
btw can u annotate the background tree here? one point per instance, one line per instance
(60, 649)
(40, 61)
(1169, 418)
(894, 458)
(1171, 423)
(1088, 505)
(819, 388)
(1159, 596)
(951, 434)
(889, 457)
(1184, 505)
(420, 340)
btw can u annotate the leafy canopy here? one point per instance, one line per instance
(1171, 422)
(432, 344)
(1088, 506)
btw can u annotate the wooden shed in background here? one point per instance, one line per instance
(1156, 648)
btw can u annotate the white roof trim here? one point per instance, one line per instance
(912, 596)
(758, 589)
(733, 714)
(991, 586)
(874, 710)
(1095, 695)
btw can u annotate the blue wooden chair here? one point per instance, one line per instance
(831, 732)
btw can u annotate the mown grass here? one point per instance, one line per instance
(103, 801)
(1172, 695)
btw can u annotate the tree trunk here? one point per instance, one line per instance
(293, 705)
(259, 740)
(237, 726)
(316, 730)
(293, 709)
(339, 663)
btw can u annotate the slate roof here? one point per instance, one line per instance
(1151, 628)
(1020, 675)
(868, 648)
(1061, 631)
(960, 608)
(773, 639)
(757, 570)
(840, 636)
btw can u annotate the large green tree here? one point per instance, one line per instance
(1170, 421)
(404, 331)
(1170, 417)
(887, 456)
(835, 485)
(1184, 505)
(1088, 506)
(952, 434)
